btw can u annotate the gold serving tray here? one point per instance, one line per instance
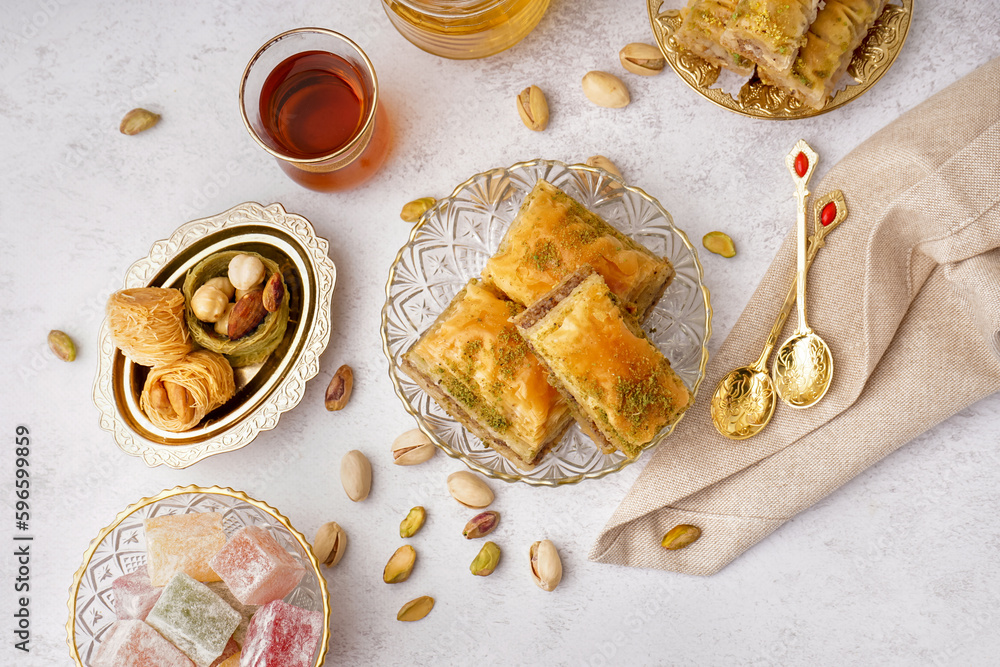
(120, 548)
(871, 61)
(263, 391)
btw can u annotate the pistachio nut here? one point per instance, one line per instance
(486, 561)
(413, 522)
(719, 243)
(680, 536)
(138, 120)
(414, 610)
(400, 565)
(481, 525)
(533, 108)
(62, 345)
(546, 566)
(356, 475)
(469, 490)
(338, 392)
(411, 448)
(605, 90)
(180, 400)
(604, 163)
(330, 544)
(642, 59)
(414, 210)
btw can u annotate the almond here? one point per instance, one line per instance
(246, 314)
(274, 293)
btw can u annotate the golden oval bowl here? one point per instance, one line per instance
(871, 61)
(451, 243)
(263, 391)
(120, 548)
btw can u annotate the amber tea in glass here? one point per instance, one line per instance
(310, 98)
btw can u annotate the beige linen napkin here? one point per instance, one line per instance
(907, 295)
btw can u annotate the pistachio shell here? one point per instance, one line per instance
(330, 544)
(642, 59)
(411, 448)
(356, 475)
(546, 566)
(533, 108)
(604, 163)
(605, 90)
(469, 490)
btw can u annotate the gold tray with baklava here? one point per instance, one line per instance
(449, 248)
(871, 60)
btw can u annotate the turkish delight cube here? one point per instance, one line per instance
(256, 568)
(246, 610)
(282, 635)
(133, 643)
(183, 543)
(134, 595)
(195, 619)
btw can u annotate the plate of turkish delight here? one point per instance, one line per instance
(205, 577)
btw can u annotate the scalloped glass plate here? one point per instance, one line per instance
(871, 60)
(451, 244)
(120, 548)
(264, 390)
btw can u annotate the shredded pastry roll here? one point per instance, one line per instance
(839, 29)
(147, 324)
(176, 397)
(702, 24)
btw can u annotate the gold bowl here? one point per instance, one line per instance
(120, 549)
(871, 60)
(264, 390)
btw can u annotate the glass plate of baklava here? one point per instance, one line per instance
(780, 59)
(546, 323)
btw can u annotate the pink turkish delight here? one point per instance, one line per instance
(282, 635)
(134, 595)
(183, 543)
(133, 643)
(256, 568)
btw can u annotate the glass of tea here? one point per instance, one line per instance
(464, 29)
(310, 98)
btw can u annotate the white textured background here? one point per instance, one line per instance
(900, 567)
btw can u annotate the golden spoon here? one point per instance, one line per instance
(743, 402)
(803, 366)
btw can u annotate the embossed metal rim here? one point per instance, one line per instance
(397, 377)
(261, 410)
(180, 490)
(870, 58)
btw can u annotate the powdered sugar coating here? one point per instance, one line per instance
(134, 595)
(282, 635)
(256, 568)
(133, 643)
(195, 619)
(182, 543)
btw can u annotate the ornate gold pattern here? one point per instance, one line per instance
(743, 402)
(802, 370)
(871, 61)
(264, 391)
(116, 549)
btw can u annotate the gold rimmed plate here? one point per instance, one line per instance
(264, 390)
(451, 244)
(120, 548)
(871, 61)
